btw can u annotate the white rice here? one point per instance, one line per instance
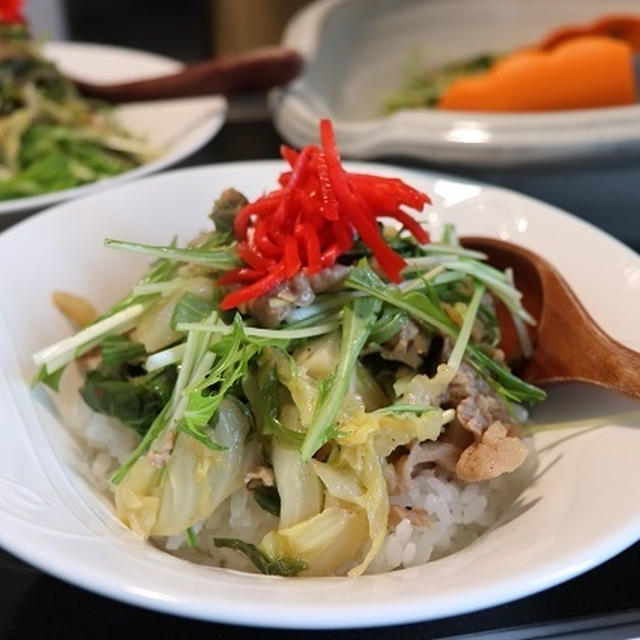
(107, 442)
(457, 512)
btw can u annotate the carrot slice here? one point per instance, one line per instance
(252, 257)
(239, 275)
(255, 290)
(329, 206)
(590, 71)
(410, 224)
(622, 27)
(311, 242)
(289, 154)
(292, 262)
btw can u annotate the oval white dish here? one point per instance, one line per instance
(357, 52)
(177, 128)
(563, 523)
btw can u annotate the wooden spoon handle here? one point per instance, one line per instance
(254, 71)
(575, 347)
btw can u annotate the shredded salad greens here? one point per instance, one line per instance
(51, 138)
(319, 382)
(423, 87)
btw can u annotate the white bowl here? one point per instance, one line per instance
(582, 508)
(357, 52)
(176, 128)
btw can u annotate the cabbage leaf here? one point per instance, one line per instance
(195, 481)
(326, 542)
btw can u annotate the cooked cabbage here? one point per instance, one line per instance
(300, 490)
(326, 542)
(195, 481)
(154, 328)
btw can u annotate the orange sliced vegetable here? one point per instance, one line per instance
(589, 71)
(11, 11)
(621, 27)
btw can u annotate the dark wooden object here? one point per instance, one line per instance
(568, 344)
(251, 72)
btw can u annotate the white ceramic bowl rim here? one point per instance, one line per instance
(51, 518)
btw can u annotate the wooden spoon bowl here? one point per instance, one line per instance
(568, 343)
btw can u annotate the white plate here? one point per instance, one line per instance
(357, 52)
(177, 128)
(583, 509)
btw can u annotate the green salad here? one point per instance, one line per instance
(51, 138)
(422, 87)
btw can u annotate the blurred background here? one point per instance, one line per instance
(189, 30)
(602, 192)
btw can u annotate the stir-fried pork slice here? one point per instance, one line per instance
(476, 404)
(465, 383)
(297, 291)
(476, 412)
(260, 475)
(494, 454)
(329, 279)
(225, 209)
(420, 456)
(408, 346)
(454, 433)
(274, 307)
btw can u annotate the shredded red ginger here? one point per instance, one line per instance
(11, 11)
(309, 222)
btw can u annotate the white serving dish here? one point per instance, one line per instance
(177, 128)
(582, 508)
(357, 51)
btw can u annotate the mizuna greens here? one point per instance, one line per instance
(315, 396)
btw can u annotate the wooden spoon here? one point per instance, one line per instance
(568, 344)
(254, 71)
